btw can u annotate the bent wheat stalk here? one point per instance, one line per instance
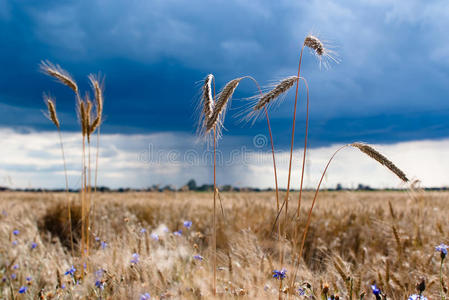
(368, 150)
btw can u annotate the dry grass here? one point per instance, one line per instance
(355, 238)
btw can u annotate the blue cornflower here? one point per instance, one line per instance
(135, 258)
(23, 290)
(178, 233)
(33, 245)
(16, 232)
(103, 244)
(70, 271)
(145, 296)
(99, 284)
(143, 230)
(15, 267)
(442, 249)
(28, 278)
(187, 224)
(97, 239)
(417, 297)
(375, 289)
(280, 274)
(13, 276)
(301, 291)
(198, 257)
(14, 243)
(155, 237)
(63, 286)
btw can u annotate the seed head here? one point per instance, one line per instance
(282, 87)
(322, 52)
(220, 106)
(52, 111)
(60, 74)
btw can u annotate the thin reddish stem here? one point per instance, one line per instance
(309, 216)
(292, 141)
(305, 149)
(214, 221)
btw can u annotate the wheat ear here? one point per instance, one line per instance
(52, 111)
(373, 153)
(60, 74)
(220, 105)
(282, 87)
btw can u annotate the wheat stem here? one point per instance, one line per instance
(214, 221)
(66, 190)
(292, 142)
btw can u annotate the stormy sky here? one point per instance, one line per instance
(391, 86)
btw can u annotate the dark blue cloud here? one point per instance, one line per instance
(392, 84)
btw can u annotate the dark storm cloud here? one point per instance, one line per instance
(392, 84)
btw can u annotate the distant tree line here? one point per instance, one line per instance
(191, 185)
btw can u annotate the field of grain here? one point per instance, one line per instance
(140, 244)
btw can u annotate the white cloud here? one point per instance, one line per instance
(34, 160)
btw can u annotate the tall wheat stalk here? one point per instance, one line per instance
(52, 115)
(368, 150)
(88, 127)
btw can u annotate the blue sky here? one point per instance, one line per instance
(391, 86)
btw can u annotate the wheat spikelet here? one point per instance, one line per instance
(98, 91)
(52, 111)
(88, 108)
(208, 101)
(322, 52)
(282, 87)
(82, 117)
(60, 74)
(94, 125)
(220, 105)
(371, 152)
(315, 44)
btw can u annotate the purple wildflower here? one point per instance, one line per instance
(70, 271)
(187, 224)
(143, 230)
(178, 233)
(23, 290)
(442, 248)
(28, 278)
(198, 257)
(280, 274)
(417, 297)
(135, 258)
(103, 245)
(15, 267)
(33, 245)
(13, 276)
(16, 232)
(155, 237)
(14, 243)
(145, 296)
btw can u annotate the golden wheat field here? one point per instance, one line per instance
(142, 245)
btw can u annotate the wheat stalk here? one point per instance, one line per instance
(370, 152)
(51, 107)
(60, 74)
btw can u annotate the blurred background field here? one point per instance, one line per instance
(142, 244)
